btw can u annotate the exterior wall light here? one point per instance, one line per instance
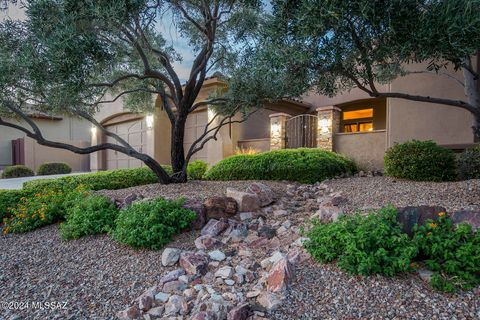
(325, 125)
(149, 121)
(275, 128)
(93, 129)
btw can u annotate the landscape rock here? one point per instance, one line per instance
(204, 315)
(176, 305)
(280, 276)
(246, 201)
(156, 312)
(425, 274)
(224, 272)
(409, 216)
(241, 312)
(145, 302)
(220, 207)
(328, 214)
(267, 232)
(214, 227)
(469, 216)
(200, 212)
(162, 297)
(216, 255)
(194, 263)
(265, 193)
(280, 213)
(174, 286)
(207, 242)
(172, 275)
(129, 313)
(170, 256)
(269, 301)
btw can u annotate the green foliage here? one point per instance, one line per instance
(303, 165)
(420, 161)
(90, 215)
(17, 171)
(112, 180)
(151, 224)
(468, 164)
(53, 168)
(453, 253)
(34, 211)
(364, 245)
(10, 199)
(196, 169)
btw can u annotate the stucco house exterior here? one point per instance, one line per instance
(352, 123)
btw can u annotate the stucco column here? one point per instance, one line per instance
(328, 126)
(96, 158)
(278, 126)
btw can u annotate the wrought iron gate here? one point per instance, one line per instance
(302, 131)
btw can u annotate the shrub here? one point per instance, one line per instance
(17, 171)
(34, 211)
(151, 224)
(91, 215)
(420, 161)
(453, 253)
(468, 164)
(113, 179)
(196, 169)
(10, 199)
(363, 244)
(53, 168)
(303, 165)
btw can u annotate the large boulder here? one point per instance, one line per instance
(200, 212)
(265, 193)
(247, 202)
(170, 256)
(410, 216)
(220, 207)
(471, 217)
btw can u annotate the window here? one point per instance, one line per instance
(358, 120)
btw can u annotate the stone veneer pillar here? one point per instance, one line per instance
(328, 125)
(278, 123)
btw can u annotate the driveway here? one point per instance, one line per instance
(17, 183)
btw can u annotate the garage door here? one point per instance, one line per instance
(135, 133)
(194, 128)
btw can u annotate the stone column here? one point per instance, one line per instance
(278, 123)
(328, 126)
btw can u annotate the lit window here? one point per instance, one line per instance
(358, 120)
(358, 114)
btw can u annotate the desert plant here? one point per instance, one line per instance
(365, 245)
(303, 165)
(420, 161)
(468, 164)
(151, 224)
(196, 169)
(17, 171)
(50, 168)
(91, 215)
(9, 199)
(452, 252)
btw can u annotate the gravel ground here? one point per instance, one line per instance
(375, 192)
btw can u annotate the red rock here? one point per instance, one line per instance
(129, 313)
(241, 312)
(259, 242)
(145, 302)
(214, 227)
(194, 263)
(220, 207)
(469, 216)
(246, 201)
(280, 276)
(264, 193)
(207, 242)
(203, 315)
(172, 275)
(199, 209)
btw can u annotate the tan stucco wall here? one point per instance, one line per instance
(365, 148)
(69, 130)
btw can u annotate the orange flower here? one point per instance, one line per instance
(441, 214)
(433, 225)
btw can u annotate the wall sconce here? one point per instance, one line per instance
(275, 128)
(149, 121)
(325, 125)
(93, 129)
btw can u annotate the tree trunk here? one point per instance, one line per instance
(472, 92)
(177, 152)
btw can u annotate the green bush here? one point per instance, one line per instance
(303, 165)
(420, 161)
(112, 180)
(50, 168)
(452, 253)
(91, 215)
(151, 224)
(17, 171)
(468, 164)
(196, 169)
(10, 199)
(372, 244)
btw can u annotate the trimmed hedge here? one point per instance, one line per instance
(196, 169)
(302, 165)
(420, 161)
(112, 180)
(17, 171)
(468, 164)
(50, 168)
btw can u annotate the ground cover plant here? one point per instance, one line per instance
(420, 161)
(302, 165)
(151, 224)
(375, 244)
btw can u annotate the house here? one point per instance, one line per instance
(352, 123)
